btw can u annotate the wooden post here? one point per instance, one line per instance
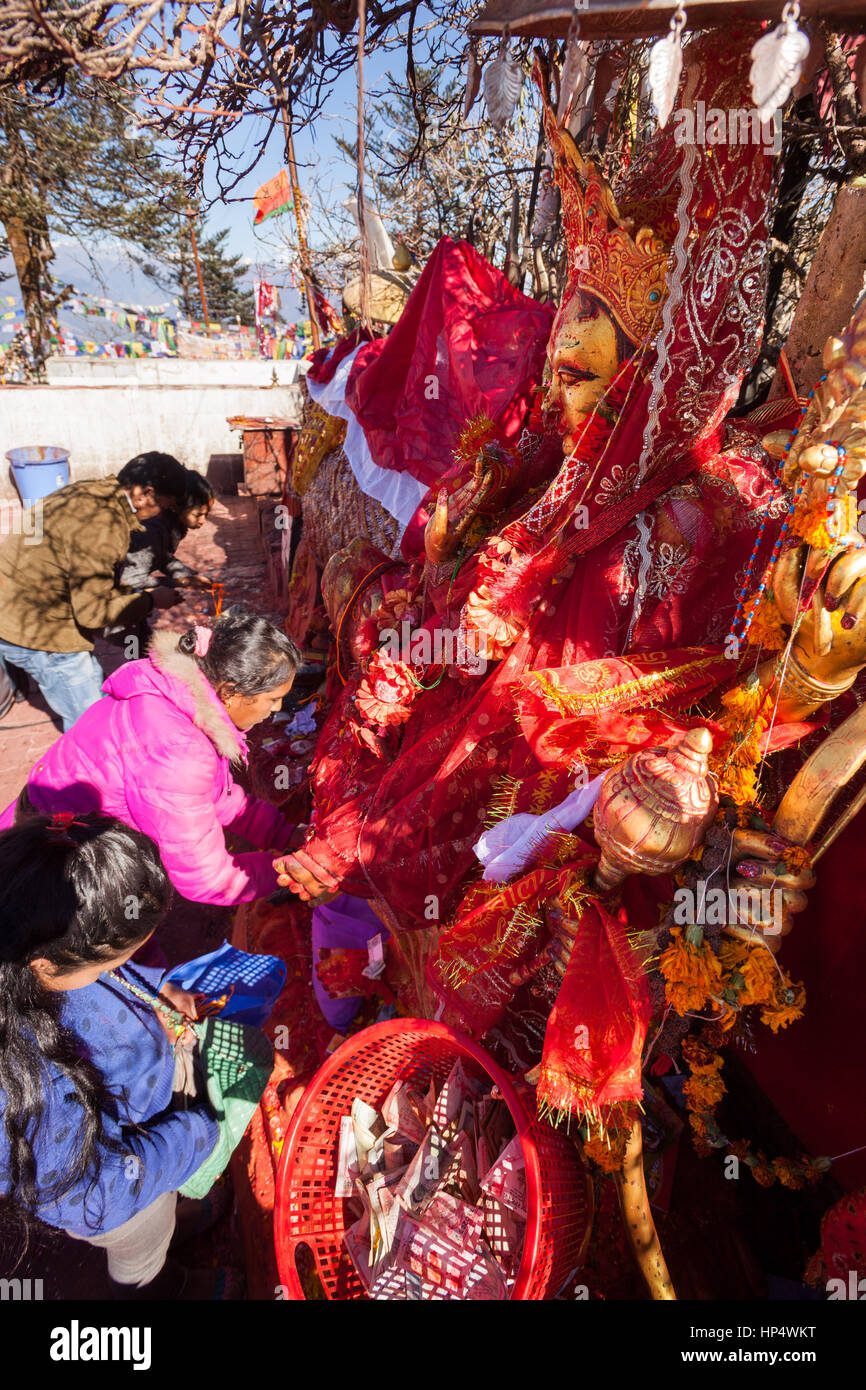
(302, 235)
(364, 257)
(190, 212)
(303, 252)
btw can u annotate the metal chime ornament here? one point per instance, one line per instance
(777, 61)
(503, 79)
(473, 76)
(665, 67)
(575, 71)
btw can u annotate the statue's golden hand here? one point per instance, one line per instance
(768, 893)
(455, 513)
(564, 929)
(829, 648)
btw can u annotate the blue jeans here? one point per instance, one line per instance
(70, 681)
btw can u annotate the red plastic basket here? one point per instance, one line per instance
(559, 1200)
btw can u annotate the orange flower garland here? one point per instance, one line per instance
(703, 1091)
(746, 720)
(608, 1152)
(692, 973)
(808, 522)
(765, 629)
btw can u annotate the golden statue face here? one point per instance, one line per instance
(583, 362)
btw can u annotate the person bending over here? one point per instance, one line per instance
(157, 752)
(57, 594)
(152, 550)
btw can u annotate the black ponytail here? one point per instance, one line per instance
(72, 895)
(247, 653)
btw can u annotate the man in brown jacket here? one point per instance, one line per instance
(58, 590)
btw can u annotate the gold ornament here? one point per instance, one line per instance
(621, 267)
(401, 260)
(654, 808)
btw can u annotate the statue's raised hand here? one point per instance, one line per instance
(829, 646)
(456, 512)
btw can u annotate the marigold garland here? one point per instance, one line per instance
(692, 973)
(606, 1152)
(797, 859)
(786, 1007)
(766, 628)
(808, 522)
(703, 1091)
(746, 720)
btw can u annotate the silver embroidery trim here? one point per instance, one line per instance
(667, 338)
(644, 527)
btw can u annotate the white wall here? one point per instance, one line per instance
(104, 425)
(171, 371)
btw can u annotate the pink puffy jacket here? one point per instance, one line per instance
(156, 752)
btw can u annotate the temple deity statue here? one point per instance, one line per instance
(579, 796)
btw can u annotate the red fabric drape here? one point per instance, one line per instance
(466, 344)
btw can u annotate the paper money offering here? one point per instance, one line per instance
(435, 1187)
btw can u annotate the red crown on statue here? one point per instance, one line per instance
(622, 269)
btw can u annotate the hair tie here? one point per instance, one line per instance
(60, 823)
(203, 637)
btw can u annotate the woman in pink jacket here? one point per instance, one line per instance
(157, 753)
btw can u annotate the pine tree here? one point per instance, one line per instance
(71, 164)
(228, 299)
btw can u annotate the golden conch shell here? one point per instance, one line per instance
(654, 808)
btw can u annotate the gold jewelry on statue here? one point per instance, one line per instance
(801, 688)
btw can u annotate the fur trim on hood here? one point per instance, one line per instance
(208, 714)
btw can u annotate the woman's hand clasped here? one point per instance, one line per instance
(300, 873)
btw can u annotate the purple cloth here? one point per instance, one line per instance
(348, 923)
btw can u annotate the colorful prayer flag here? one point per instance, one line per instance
(326, 313)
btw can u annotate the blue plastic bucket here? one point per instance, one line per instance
(38, 470)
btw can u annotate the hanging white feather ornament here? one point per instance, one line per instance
(503, 79)
(473, 77)
(665, 67)
(575, 71)
(777, 61)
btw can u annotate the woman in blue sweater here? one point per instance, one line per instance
(88, 1140)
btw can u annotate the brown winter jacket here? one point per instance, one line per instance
(56, 594)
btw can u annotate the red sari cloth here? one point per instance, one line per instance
(675, 497)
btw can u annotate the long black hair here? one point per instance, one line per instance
(73, 895)
(247, 653)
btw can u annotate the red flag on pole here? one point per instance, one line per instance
(272, 197)
(326, 312)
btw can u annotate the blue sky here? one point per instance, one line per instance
(316, 152)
